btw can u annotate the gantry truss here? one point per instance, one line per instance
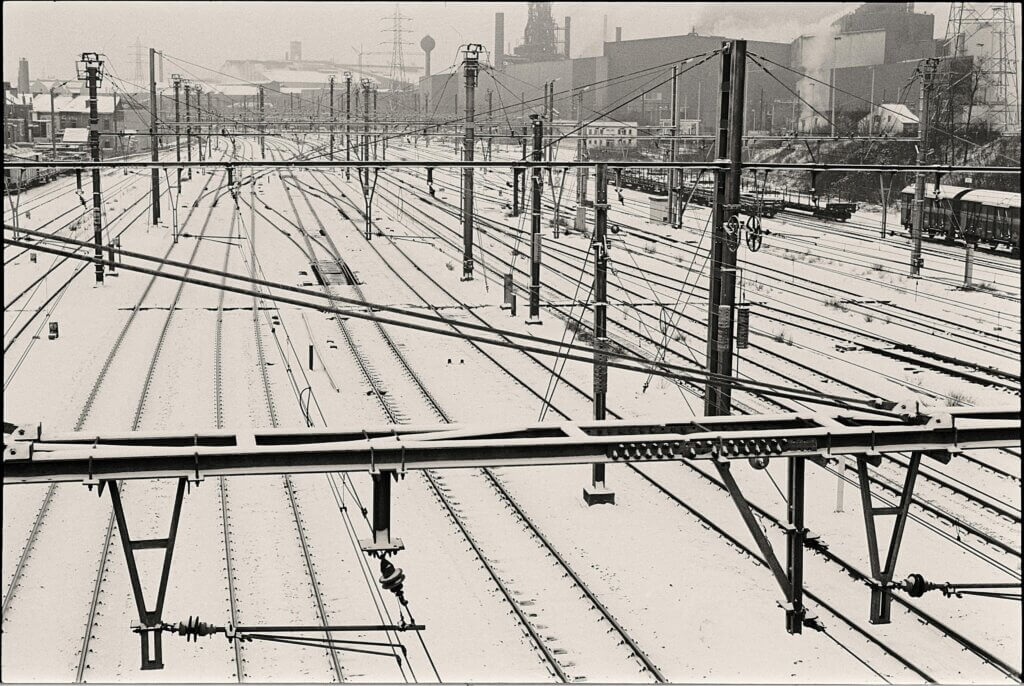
(33, 454)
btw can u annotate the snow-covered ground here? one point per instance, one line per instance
(685, 595)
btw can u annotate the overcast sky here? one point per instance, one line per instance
(53, 34)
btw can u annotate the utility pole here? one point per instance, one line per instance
(471, 65)
(348, 117)
(535, 244)
(673, 175)
(188, 124)
(721, 307)
(54, 121)
(91, 69)
(375, 120)
(927, 69)
(154, 142)
(263, 128)
(209, 128)
(516, 173)
(333, 119)
(366, 156)
(583, 173)
(176, 78)
(199, 127)
(725, 232)
(490, 129)
(598, 493)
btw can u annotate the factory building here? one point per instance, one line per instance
(870, 54)
(769, 103)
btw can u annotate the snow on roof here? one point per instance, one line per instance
(12, 98)
(235, 90)
(945, 192)
(73, 103)
(297, 76)
(900, 112)
(290, 76)
(984, 196)
(76, 135)
(992, 198)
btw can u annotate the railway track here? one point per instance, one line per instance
(79, 425)
(697, 323)
(585, 395)
(847, 300)
(137, 421)
(954, 521)
(446, 497)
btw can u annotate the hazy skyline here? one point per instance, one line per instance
(52, 35)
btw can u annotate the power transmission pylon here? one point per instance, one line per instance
(987, 32)
(396, 69)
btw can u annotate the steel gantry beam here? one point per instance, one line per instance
(35, 455)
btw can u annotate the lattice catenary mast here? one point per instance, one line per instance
(987, 32)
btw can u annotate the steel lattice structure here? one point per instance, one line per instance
(987, 32)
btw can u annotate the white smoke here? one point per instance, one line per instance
(816, 59)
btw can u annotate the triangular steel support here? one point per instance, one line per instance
(881, 590)
(150, 627)
(790, 579)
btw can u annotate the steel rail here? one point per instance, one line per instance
(675, 243)
(394, 414)
(272, 414)
(51, 491)
(139, 409)
(572, 385)
(660, 368)
(903, 660)
(218, 409)
(921, 503)
(435, 405)
(369, 374)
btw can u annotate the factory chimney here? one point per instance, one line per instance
(295, 51)
(499, 39)
(24, 85)
(427, 43)
(604, 29)
(618, 34)
(568, 33)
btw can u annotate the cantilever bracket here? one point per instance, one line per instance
(382, 544)
(790, 580)
(881, 590)
(150, 626)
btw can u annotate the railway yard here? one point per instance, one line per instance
(380, 445)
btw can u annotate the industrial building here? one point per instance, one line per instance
(869, 55)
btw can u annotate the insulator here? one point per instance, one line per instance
(392, 579)
(758, 462)
(915, 585)
(192, 629)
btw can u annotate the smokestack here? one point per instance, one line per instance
(427, 44)
(24, 85)
(499, 39)
(568, 34)
(604, 29)
(618, 34)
